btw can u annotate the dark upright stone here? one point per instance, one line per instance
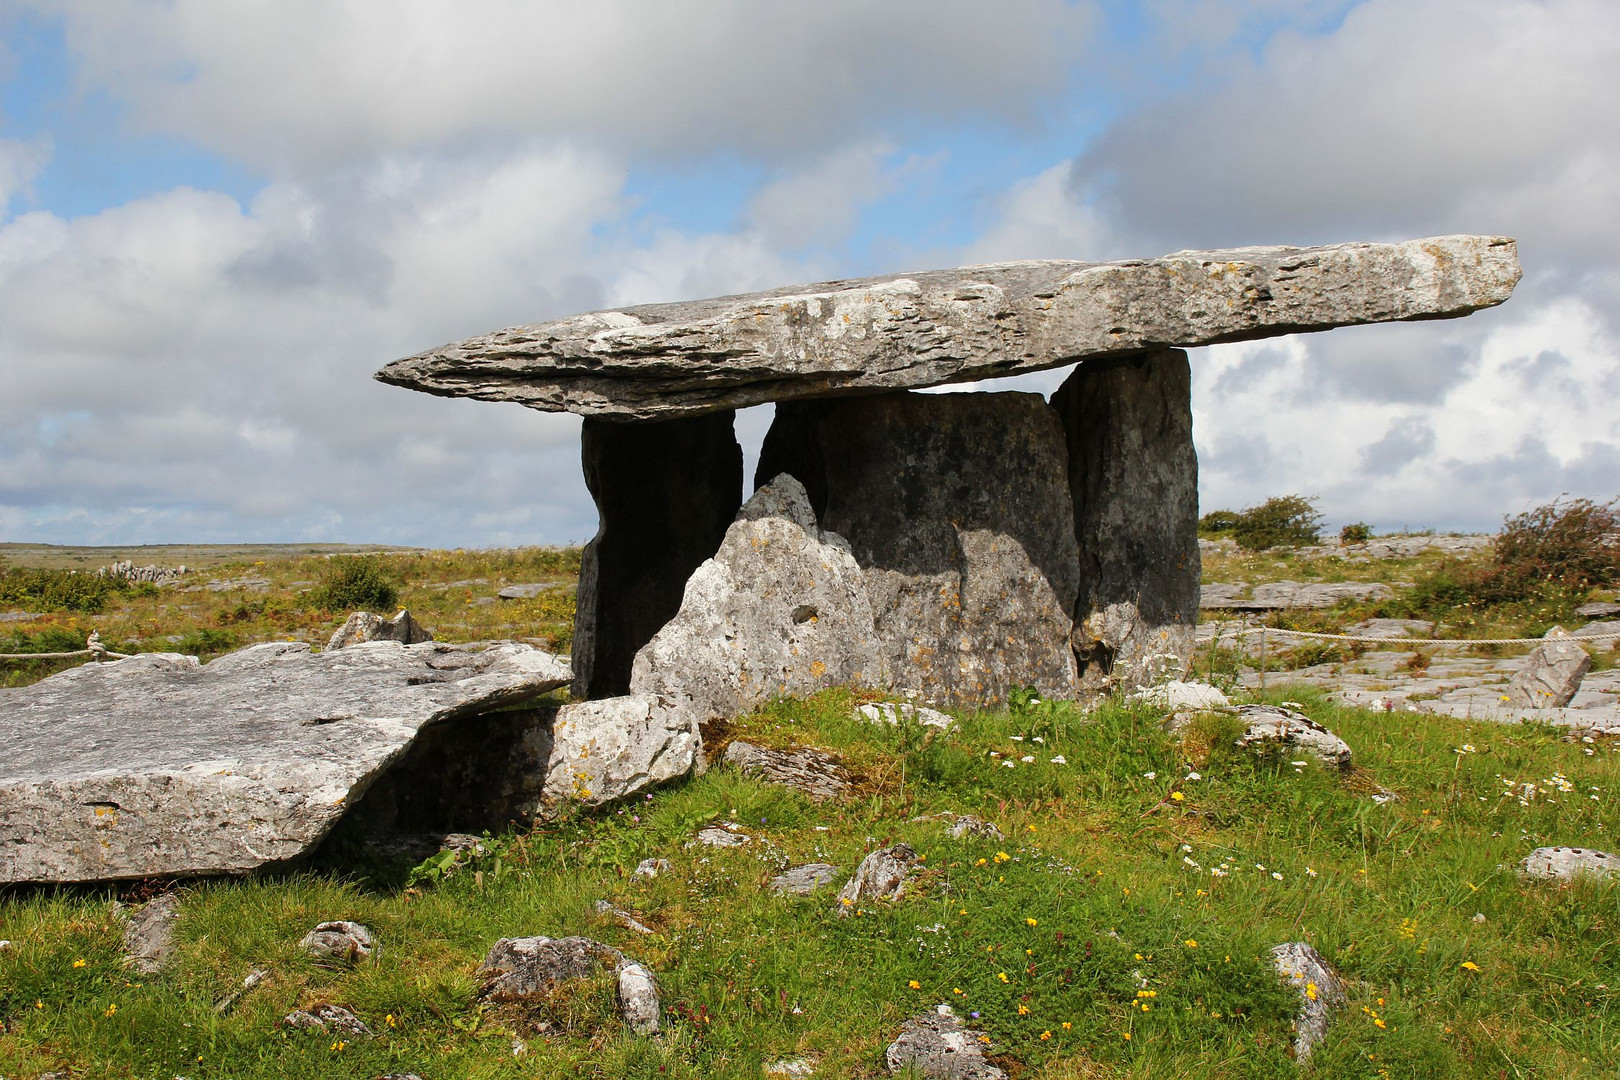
(957, 509)
(1134, 478)
(665, 492)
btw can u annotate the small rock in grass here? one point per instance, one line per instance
(228, 1002)
(149, 933)
(347, 942)
(1178, 696)
(363, 626)
(399, 1076)
(651, 868)
(1566, 863)
(327, 1017)
(881, 876)
(1321, 992)
(803, 880)
(1273, 723)
(937, 1046)
(638, 998)
(519, 968)
(884, 712)
(966, 825)
(810, 771)
(623, 918)
(526, 592)
(793, 1068)
(1552, 674)
(714, 836)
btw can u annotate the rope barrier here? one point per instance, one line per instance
(92, 647)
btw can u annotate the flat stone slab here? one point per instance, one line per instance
(1283, 595)
(160, 766)
(1568, 863)
(903, 331)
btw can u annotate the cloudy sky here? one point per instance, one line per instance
(217, 220)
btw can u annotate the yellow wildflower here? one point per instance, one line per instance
(1031, 922)
(1469, 965)
(1045, 1035)
(78, 963)
(1023, 1010)
(1002, 975)
(1191, 943)
(914, 984)
(1177, 796)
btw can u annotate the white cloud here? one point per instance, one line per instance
(281, 82)
(21, 160)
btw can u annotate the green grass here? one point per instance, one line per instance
(1091, 897)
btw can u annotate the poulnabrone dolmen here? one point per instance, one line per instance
(997, 540)
(951, 546)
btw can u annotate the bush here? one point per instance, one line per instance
(1281, 521)
(1570, 546)
(354, 583)
(57, 590)
(1218, 522)
(1355, 533)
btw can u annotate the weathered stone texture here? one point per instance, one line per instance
(363, 626)
(604, 750)
(936, 1046)
(1321, 993)
(1568, 863)
(158, 765)
(922, 329)
(782, 608)
(1551, 675)
(1133, 475)
(665, 494)
(810, 771)
(957, 509)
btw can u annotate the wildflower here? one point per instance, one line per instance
(1379, 1021)
(1067, 1026)
(956, 990)
(1309, 872)
(1059, 759)
(1002, 856)
(1194, 776)
(111, 1009)
(1125, 1035)
(1150, 775)
(846, 901)
(78, 963)
(1045, 1035)
(389, 1019)
(914, 984)
(1031, 828)
(1469, 965)
(1016, 738)
(1276, 876)
(1191, 943)
(39, 1004)
(1002, 975)
(985, 1039)
(1310, 991)
(1023, 1010)
(1010, 764)
(981, 862)
(1030, 922)
(1027, 758)
(1038, 739)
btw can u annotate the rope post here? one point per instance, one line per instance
(1262, 656)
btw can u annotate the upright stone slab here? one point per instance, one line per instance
(666, 493)
(957, 509)
(1133, 473)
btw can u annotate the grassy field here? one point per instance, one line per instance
(1119, 931)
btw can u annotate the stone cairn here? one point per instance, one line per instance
(1002, 540)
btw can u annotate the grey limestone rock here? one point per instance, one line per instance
(149, 933)
(716, 836)
(803, 880)
(888, 712)
(922, 329)
(1133, 476)
(651, 868)
(1286, 595)
(638, 997)
(1552, 674)
(882, 875)
(622, 917)
(518, 968)
(607, 749)
(1275, 724)
(1566, 863)
(161, 766)
(966, 825)
(328, 1017)
(1179, 696)
(937, 1046)
(665, 494)
(957, 510)
(798, 1068)
(527, 592)
(364, 626)
(782, 608)
(340, 940)
(1321, 993)
(810, 771)
(1599, 609)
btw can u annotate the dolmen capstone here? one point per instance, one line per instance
(1000, 540)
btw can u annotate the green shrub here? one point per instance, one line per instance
(1358, 532)
(356, 583)
(1571, 546)
(57, 590)
(205, 644)
(1281, 521)
(1218, 522)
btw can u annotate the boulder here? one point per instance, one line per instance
(922, 329)
(814, 773)
(782, 608)
(882, 875)
(956, 508)
(160, 766)
(638, 998)
(1567, 863)
(665, 494)
(1133, 476)
(1599, 609)
(1321, 993)
(149, 933)
(936, 1045)
(1551, 675)
(803, 880)
(887, 712)
(605, 750)
(364, 626)
(1178, 696)
(516, 969)
(1274, 724)
(343, 941)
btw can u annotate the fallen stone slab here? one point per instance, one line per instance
(916, 330)
(799, 1068)
(1391, 629)
(527, 592)
(341, 941)
(1599, 629)
(158, 766)
(721, 837)
(602, 751)
(149, 933)
(812, 772)
(1568, 863)
(1599, 609)
(1552, 674)
(1290, 595)
(328, 1017)
(515, 969)
(882, 875)
(364, 626)
(803, 880)
(891, 713)
(936, 1045)
(1321, 993)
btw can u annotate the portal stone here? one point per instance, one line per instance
(1134, 478)
(957, 509)
(665, 492)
